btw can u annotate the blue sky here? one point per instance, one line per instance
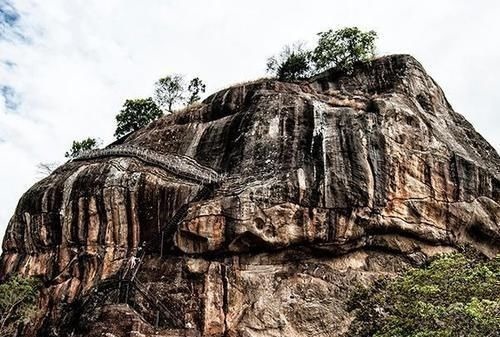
(66, 67)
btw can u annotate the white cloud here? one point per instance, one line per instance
(86, 57)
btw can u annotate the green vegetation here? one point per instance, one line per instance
(169, 91)
(455, 295)
(135, 114)
(17, 303)
(83, 145)
(293, 63)
(343, 48)
(195, 87)
(340, 49)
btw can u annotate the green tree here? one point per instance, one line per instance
(343, 48)
(168, 91)
(293, 63)
(135, 114)
(196, 86)
(83, 145)
(18, 298)
(455, 295)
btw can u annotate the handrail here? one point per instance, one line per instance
(180, 165)
(168, 229)
(155, 302)
(129, 278)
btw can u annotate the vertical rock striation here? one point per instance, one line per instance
(329, 183)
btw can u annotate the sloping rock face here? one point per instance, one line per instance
(329, 184)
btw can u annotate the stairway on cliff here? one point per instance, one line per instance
(130, 288)
(154, 311)
(356, 172)
(179, 165)
(123, 319)
(168, 230)
(149, 299)
(151, 307)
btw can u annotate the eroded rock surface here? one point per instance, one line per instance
(330, 183)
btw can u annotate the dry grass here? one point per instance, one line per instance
(190, 107)
(259, 80)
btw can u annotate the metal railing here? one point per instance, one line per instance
(129, 280)
(180, 165)
(107, 289)
(169, 228)
(157, 304)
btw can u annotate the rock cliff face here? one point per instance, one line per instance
(329, 183)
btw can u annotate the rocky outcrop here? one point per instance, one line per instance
(329, 183)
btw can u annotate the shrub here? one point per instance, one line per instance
(455, 295)
(293, 63)
(341, 49)
(81, 145)
(18, 298)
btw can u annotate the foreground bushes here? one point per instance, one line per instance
(455, 295)
(18, 298)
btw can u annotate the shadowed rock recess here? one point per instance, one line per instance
(328, 184)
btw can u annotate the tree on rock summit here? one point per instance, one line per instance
(135, 114)
(340, 49)
(343, 48)
(168, 92)
(293, 63)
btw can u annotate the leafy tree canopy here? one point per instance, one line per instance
(17, 303)
(293, 63)
(83, 145)
(455, 295)
(168, 92)
(171, 91)
(135, 114)
(343, 48)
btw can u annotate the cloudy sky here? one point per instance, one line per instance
(66, 66)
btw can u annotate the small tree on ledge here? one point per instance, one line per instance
(195, 87)
(83, 145)
(135, 114)
(293, 63)
(168, 92)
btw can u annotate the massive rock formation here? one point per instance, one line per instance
(328, 184)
